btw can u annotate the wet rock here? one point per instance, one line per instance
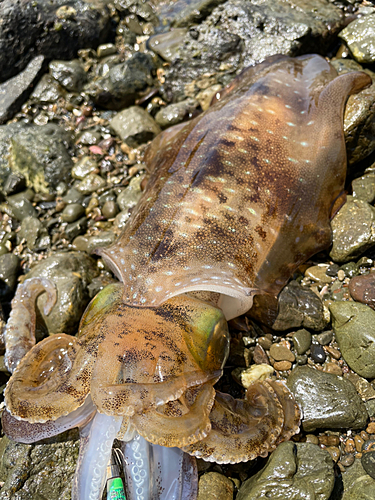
(72, 212)
(176, 113)
(103, 239)
(48, 28)
(123, 82)
(26, 470)
(358, 485)
(70, 74)
(360, 38)
(73, 196)
(106, 49)
(317, 353)
(91, 183)
(90, 136)
(110, 209)
(9, 268)
(35, 234)
(362, 289)
(318, 273)
(21, 205)
(187, 13)
(324, 338)
(363, 386)
(74, 229)
(359, 128)
(15, 91)
(299, 307)
(354, 327)
(15, 183)
(47, 90)
(364, 188)
(353, 230)
(302, 340)
(86, 165)
(327, 401)
(214, 485)
(280, 352)
(167, 44)
(6, 134)
(71, 272)
(294, 471)
(135, 126)
(40, 154)
(239, 34)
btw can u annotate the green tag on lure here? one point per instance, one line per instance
(115, 489)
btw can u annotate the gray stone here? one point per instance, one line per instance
(176, 113)
(73, 196)
(294, 471)
(70, 74)
(71, 272)
(326, 400)
(360, 38)
(6, 134)
(359, 126)
(86, 165)
(91, 183)
(21, 206)
(15, 183)
(48, 90)
(29, 29)
(103, 239)
(40, 154)
(74, 229)
(110, 209)
(32, 230)
(135, 126)
(15, 91)
(123, 82)
(353, 230)
(186, 13)
(38, 471)
(354, 326)
(9, 267)
(364, 188)
(130, 196)
(299, 307)
(72, 212)
(213, 485)
(358, 485)
(239, 34)
(167, 44)
(106, 49)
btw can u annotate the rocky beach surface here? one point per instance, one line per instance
(84, 86)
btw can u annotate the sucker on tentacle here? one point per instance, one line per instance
(224, 217)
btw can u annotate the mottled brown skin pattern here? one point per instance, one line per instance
(237, 199)
(241, 195)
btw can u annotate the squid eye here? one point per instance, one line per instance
(207, 335)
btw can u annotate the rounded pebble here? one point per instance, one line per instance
(214, 485)
(362, 289)
(281, 353)
(110, 209)
(282, 366)
(334, 452)
(371, 428)
(311, 438)
(265, 342)
(332, 368)
(72, 212)
(302, 340)
(358, 442)
(317, 353)
(348, 460)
